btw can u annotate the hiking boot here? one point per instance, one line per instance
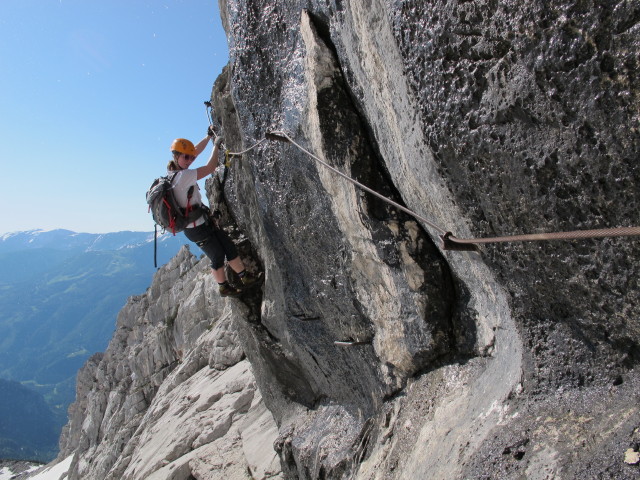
(251, 279)
(227, 290)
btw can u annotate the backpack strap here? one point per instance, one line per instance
(191, 212)
(155, 245)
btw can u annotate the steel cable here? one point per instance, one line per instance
(450, 242)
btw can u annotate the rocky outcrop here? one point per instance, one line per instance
(173, 395)
(487, 118)
(375, 353)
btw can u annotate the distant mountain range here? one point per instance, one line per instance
(60, 293)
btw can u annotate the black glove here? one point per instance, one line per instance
(210, 132)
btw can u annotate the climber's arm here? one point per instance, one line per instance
(202, 144)
(212, 164)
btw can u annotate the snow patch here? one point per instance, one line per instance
(55, 472)
(5, 473)
(11, 469)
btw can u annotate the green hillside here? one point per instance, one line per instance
(27, 426)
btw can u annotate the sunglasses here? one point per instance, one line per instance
(188, 158)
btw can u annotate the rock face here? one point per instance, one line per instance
(520, 360)
(173, 396)
(487, 118)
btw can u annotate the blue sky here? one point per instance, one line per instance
(92, 93)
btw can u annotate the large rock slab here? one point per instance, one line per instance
(485, 118)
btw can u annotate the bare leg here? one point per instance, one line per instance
(219, 275)
(236, 264)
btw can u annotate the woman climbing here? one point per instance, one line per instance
(213, 241)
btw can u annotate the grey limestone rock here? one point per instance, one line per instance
(487, 118)
(171, 396)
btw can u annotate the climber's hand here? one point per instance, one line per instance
(218, 141)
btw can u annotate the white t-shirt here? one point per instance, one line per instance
(183, 180)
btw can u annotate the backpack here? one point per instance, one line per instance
(165, 209)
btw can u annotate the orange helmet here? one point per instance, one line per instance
(183, 145)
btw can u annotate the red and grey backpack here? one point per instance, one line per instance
(165, 209)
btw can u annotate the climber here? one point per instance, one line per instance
(213, 241)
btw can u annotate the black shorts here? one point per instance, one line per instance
(215, 243)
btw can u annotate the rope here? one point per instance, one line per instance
(449, 242)
(238, 154)
(360, 185)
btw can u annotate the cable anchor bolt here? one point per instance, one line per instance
(449, 242)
